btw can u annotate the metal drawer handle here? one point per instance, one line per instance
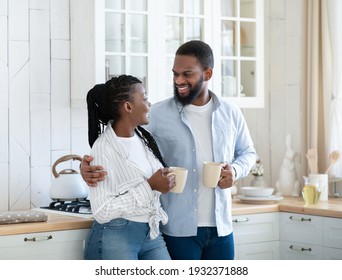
(300, 249)
(39, 238)
(300, 219)
(243, 220)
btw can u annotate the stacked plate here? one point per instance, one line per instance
(258, 195)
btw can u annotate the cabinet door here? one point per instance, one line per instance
(332, 233)
(332, 254)
(56, 245)
(140, 38)
(301, 228)
(241, 51)
(300, 251)
(258, 251)
(256, 228)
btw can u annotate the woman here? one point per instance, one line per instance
(125, 205)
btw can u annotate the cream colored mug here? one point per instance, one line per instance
(211, 173)
(181, 175)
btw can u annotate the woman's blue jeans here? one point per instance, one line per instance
(206, 245)
(121, 239)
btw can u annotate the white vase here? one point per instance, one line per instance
(258, 181)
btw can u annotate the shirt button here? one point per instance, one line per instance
(194, 170)
(195, 190)
(195, 210)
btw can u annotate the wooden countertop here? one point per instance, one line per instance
(331, 208)
(54, 222)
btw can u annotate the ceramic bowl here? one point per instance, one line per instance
(256, 191)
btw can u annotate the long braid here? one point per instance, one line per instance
(151, 144)
(104, 101)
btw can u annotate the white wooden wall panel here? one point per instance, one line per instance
(60, 28)
(82, 38)
(60, 105)
(39, 4)
(40, 187)
(60, 49)
(18, 19)
(3, 7)
(40, 51)
(4, 184)
(19, 133)
(79, 126)
(3, 41)
(40, 130)
(19, 125)
(277, 8)
(3, 137)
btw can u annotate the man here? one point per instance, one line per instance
(190, 128)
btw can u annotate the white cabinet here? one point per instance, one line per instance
(256, 236)
(55, 245)
(308, 237)
(332, 238)
(301, 237)
(140, 38)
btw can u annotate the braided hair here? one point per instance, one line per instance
(103, 104)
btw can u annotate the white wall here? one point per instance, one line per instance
(40, 119)
(283, 68)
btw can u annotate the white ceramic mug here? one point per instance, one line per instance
(211, 173)
(181, 175)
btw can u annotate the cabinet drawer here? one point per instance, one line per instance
(332, 254)
(332, 233)
(258, 251)
(256, 228)
(301, 228)
(300, 251)
(66, 244)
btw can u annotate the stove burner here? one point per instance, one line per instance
(82, 207)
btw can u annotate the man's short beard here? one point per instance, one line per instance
(193, 94)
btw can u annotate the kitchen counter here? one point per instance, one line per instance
(55, 222)
(331, 208)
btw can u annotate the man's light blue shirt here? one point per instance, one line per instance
(231, 143)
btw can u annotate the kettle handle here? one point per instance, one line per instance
(62, 159)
